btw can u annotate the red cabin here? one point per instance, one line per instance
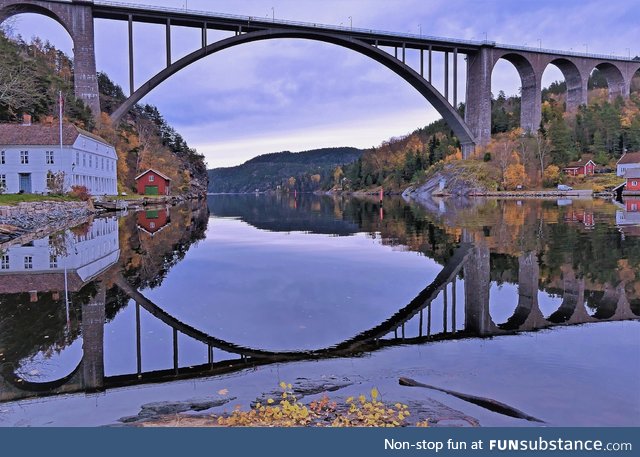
(153, 220)
(152, 182)
(632, 185)
(585, 166)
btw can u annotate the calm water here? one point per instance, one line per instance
(532, 303)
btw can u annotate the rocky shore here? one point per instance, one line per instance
(27, 221)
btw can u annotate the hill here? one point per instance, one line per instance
(305, 171)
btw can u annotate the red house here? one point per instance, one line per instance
(632, 184)
(632, 205)
(153, 182)
(153, 220)
(585, 166)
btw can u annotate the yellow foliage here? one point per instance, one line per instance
(514, 176)
(288, 412)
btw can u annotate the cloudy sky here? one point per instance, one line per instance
(296, 95)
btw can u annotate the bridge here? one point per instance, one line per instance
(387, 48)
(430, 316)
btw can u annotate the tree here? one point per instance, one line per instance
(55, 182)
(514, 176)
(542, 148)
(551, 176)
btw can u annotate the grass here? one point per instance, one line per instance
(14, 199)
(597, 182)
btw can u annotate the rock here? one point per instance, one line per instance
(155, 410)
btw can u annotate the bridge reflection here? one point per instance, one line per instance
(468, 267)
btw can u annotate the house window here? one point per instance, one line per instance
(634, 207)
(4, 263)
(3, 182)
(90, 161)
(53, 261)
(103, 163)
(77, 159)
(634, 183)
(28, 262)
(151, 178)
(84, 160)
(2, 158)
(24, 157)
(49, 157)
(152, 225)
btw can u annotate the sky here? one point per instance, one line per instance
(297, 94)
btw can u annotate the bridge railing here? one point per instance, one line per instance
(563, 53)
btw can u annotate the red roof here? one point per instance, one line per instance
(14, 283)
(630, 157)
(156, 172)
(42, 134)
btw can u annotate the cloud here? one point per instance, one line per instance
(296, 94)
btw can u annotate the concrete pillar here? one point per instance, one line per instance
(84, 57)
(477, 318)
(478, 100)
(93, 316)
(531, 106)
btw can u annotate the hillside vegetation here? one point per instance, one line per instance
(604, 129)
(32, 74)
(305, 171)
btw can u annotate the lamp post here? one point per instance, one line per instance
(273, 14)
(351, 22)
(420, 29)
(540, 43)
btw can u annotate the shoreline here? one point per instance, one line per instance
(28, 221)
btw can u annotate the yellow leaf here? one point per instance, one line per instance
(223, 391)
(283, 384)
(270, 400)
(374, 394)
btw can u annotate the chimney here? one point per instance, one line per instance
(26, 119)
(48, 120)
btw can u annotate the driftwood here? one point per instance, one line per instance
(488, 403)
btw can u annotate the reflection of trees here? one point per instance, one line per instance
(146, 260)
(28, 328)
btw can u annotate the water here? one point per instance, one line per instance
(532, 303)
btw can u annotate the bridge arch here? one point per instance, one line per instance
(616, 83)
(530, 88)
(573, 78)
(28, 8)
(448, 112)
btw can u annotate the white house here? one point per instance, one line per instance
(28, 152)
(80, 255)
(628, 161)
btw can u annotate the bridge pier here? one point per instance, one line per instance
(477, 112)
(93, 316)
(477, 282)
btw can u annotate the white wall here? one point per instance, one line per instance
(621, 169)
(88, 162)
(88, 254)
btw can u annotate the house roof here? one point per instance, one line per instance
(585, 159)
(15, 283)
(155, 171)
(630, 157)
(42, 134)
(632, 173)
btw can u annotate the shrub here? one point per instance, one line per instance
(551, 176)
(80, 192)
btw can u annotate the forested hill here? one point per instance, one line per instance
(305, 171)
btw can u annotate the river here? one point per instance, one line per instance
(533, 303)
